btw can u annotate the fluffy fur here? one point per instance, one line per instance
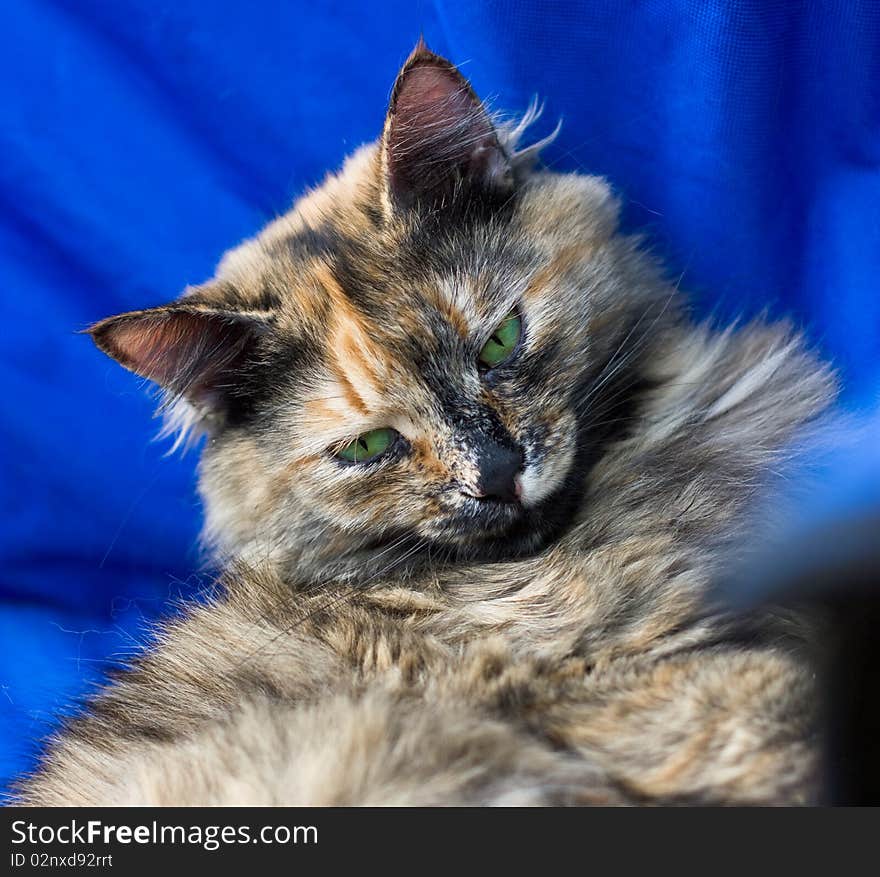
(384, 635)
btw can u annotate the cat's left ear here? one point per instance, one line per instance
(439, 143)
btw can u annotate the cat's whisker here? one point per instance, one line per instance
(624, 355)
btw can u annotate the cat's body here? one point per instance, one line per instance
(436, 623)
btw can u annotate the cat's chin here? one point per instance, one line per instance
(503, 531)
(497, 535)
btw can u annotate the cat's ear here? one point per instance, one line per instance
(190, 350)
(439, 142)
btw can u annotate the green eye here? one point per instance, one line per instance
(503, 341)
(367, 446)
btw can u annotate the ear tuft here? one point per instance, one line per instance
(439, 140)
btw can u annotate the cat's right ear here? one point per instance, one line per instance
(192, 351)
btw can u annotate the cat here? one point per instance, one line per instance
(470, 468)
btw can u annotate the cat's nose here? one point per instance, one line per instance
(499, 466)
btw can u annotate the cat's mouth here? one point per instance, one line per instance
(490, 528)
(513, 523)
(485, 516)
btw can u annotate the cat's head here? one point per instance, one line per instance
(412, 360)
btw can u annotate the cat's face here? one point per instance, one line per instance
(408, 361)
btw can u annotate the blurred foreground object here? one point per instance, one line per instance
(828, 561)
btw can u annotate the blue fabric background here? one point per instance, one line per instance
(139, 139)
